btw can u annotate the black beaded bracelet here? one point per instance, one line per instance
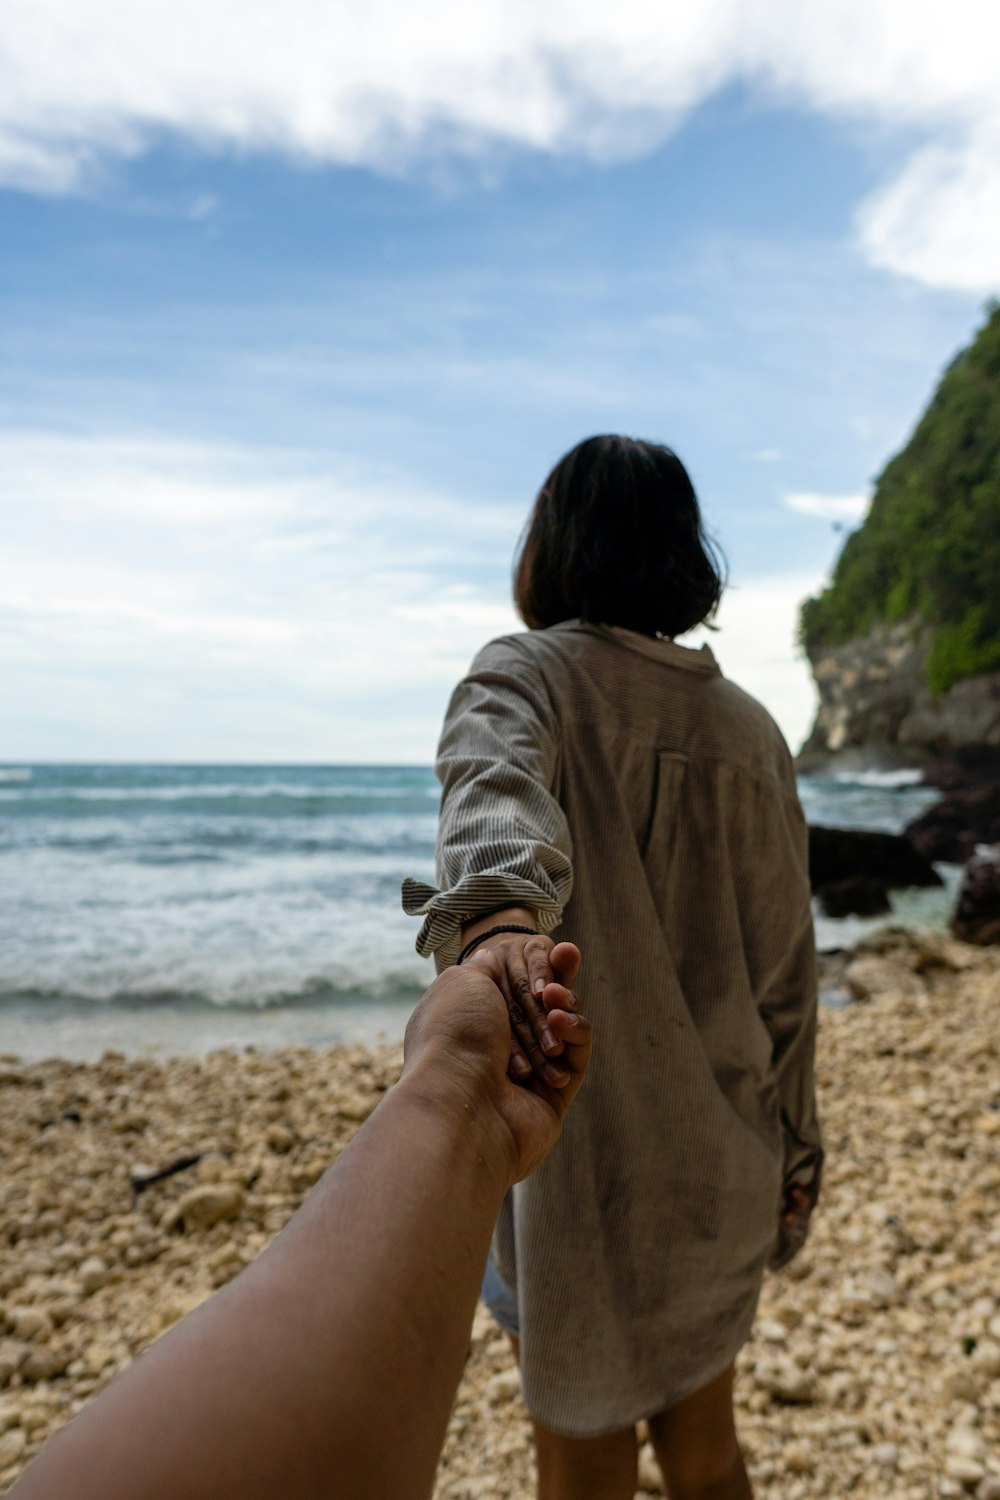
(483, 936)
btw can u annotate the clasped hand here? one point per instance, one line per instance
(535, 977)
(458, 1048)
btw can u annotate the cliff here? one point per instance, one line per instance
(877, 709)
(904, 643)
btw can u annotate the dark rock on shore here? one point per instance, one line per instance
(977, 912)
(959, 773)
(860, 896)
(966, 816)
(841, 854)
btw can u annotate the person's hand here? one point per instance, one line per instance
(793, 1225)
(533, 973)
(458, 1049)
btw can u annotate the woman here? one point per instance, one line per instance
(605, 785)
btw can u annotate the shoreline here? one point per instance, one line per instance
(80, 1030)
(874, 1368)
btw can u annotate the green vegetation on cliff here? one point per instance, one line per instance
(929, 549)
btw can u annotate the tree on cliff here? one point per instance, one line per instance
(929, 550)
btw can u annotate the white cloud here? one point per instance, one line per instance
(145, 610)
(181, 484)
(85, 81)
(939, 221)
(143, 615)
(830, 507)
(755, 646)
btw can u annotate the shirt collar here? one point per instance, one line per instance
(656, 648)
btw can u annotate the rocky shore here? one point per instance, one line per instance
(131, 1189)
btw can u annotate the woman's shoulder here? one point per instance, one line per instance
(529, 648)
(748, 724)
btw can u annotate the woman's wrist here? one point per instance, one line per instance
(492, 934)
(519, 916)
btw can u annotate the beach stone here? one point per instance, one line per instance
(58, 1293)
(771, 1330)
(786, 1381)
(28, 1323)
(204, 1206)
(886, 1455)
(503, 1386)
(798, 1458)
(93, 1274)
(650, 1478)
(96, 1358)
(966, 1442)
(171, 1309)
(12, 1445)
(881, 1286)
(966, 1456)
(34, 1417)
(967, 1471)
(44, 1364)
(986, 1358)
(356, 1107)
(870, 976)
(989, 1489)
(211, 1167)
(279, 1138)
(960, 1385)
(13, 1353)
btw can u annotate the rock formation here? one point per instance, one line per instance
(837, 855)
(953, 828)
(904, 644)
(876, 709)
(977, 912)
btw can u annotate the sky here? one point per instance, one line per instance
(299, 305)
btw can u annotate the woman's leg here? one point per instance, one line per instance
(695, 1443)
(600, 1468)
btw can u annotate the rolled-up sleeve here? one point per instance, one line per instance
(502, 836)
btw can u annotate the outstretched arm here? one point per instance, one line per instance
(329, 1366)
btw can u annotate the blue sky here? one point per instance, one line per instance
(286, 349)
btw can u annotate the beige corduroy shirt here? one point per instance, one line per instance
(646, 809)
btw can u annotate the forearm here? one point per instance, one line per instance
(350, 1330)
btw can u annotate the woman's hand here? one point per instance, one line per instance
(458, 1052)
(793, 1225)
(535, 976)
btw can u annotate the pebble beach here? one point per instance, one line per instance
(131, 1188)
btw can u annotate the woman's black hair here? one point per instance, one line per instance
(616, 538)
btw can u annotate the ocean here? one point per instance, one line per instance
(186, 908)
